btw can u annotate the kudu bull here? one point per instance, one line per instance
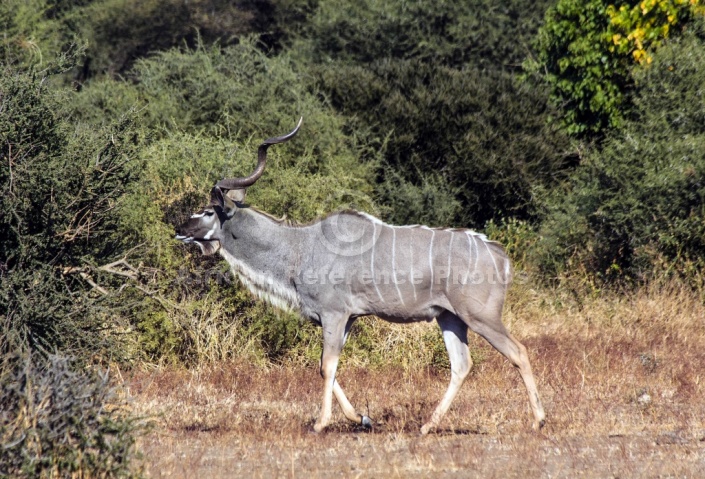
(351, 264)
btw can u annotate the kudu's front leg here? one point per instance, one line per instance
(333, 342)
(345, 405)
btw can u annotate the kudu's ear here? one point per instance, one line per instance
(237, 195)
(224, 201)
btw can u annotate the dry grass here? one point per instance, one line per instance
(621, 380)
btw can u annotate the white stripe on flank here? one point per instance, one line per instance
(430, 261)
(467, 274)
(411, 268)
(492, 257)
(394, 268)
(477, 252)
(372, 262)
(450, 248)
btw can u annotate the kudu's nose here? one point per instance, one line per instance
(180, 232)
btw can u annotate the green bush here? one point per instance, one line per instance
(431, 86)
(587, 79)
(205, 110)
(588, 50)
(635, 209)
(646, 24)
(25, 32)
(517, 237)
(461, 147)
(61, 190)
(57, 422)
(479, 34)
(279, 334)
(119, 32)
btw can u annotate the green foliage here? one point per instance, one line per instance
(32, 39)
(118, 32)
(462, 147)
(121, 31)
(58, 421)
(431, 86)
(432, 202)
(61, 187)
(638, 204)
(279, 334)
(439, 354)
(159, 337)
(517, 237)
(204, 109)
(587, 79)
(21, 22)
(479, 33)
(210, 102)
(586, 53)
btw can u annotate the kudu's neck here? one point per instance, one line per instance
(265, 255)
(252, 237)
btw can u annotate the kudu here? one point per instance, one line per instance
(351, 264)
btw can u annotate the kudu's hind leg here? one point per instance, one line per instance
(513, 350)
(455, 336)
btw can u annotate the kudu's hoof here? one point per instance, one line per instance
(538, 425)
(366, 422)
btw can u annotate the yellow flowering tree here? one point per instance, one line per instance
(587, 51)
(638, 29)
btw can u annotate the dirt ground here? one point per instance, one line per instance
(444, 455)
(621, 379)
(613, 411)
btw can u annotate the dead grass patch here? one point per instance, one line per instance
(620, 378)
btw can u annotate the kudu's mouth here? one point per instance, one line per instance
(207, 246)
(184, 239)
